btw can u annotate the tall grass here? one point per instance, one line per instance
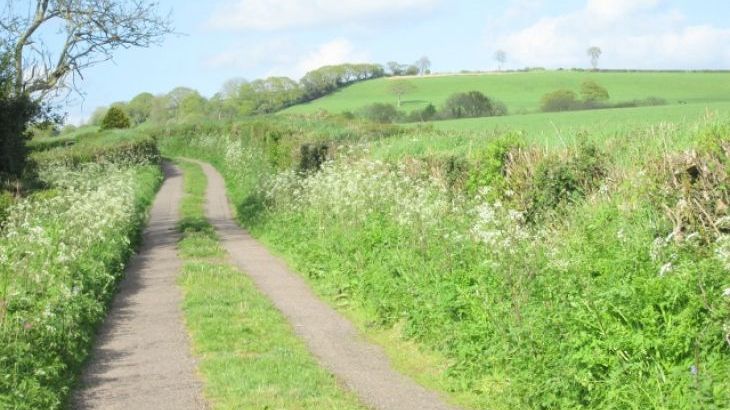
(564, 278)
(62, 251)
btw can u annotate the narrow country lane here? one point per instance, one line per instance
(361, 366)
(141, 358)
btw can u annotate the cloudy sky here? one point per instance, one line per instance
(222, 39)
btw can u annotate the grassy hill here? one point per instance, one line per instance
(522, 91)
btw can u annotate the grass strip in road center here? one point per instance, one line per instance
(248, 355)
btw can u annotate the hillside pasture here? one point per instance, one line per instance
(521, 92)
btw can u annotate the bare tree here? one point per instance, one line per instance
(91, 31)
(594, 53)
(501, 57)
(400, 88)
(423, 64)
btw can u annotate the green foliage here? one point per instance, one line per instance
(327, 79)
(115, 117)
(490, 165)
(559, 100)
(557, 180)
(6, 201)
(470, 105)
(590, 308)
(399, 88)
(591, 91)
(312, 156)
(380, 113)
(139, 108)
(86, 225)
(247, 337)
(15, 115)
(116, 147)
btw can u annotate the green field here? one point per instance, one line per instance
(522, 91)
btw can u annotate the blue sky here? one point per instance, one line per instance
(223, 39)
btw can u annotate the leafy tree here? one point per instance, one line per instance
(88, 33)
(501, 57)
(559, 100)
(594, 53)
(400, 88)
(593, 92)
(380, 112)
(192, 105)
(327, 79)
(98, 115)
(115, 118)
(470, 105)
(395, 68)
(92, 30)
(140, 107)
(411, 70)
(231, 87)
(424, 65)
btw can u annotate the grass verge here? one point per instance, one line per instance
(248, 355)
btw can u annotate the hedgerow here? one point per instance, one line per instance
(549, 278)
(62, 251)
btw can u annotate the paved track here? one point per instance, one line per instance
(361, 366)
(142, 356)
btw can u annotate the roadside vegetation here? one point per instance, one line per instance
(586, 275)
(63, 246)
(249, 355)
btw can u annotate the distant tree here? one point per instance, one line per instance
(593, 92)
(424, 65)
(428, 113)
(395, 68)
(594, 53)
(411, 70)
(400, 88)
(175, 98)
(140, 108)
(192, 106)
(559, 100)
(501, 57)
(98, 115)
(380, 112)
(115, 118)
(470, 105)
(231, 87)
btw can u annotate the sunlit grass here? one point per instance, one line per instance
(248, 354)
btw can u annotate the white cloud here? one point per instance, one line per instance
(285, 57)
(337, 51)
(612, 10)
(284, 14)
(632, 34)
(273, 51)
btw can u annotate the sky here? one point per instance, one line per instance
(218, 40)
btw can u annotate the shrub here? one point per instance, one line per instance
(490, 168)
(557, 180)
(128, 150)
(593, 92)
(470, 105)
(380, 112)
(313, 155)
(559, 100)
(15, 115)
(6, 200)
(115, 118)
(424, 115)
